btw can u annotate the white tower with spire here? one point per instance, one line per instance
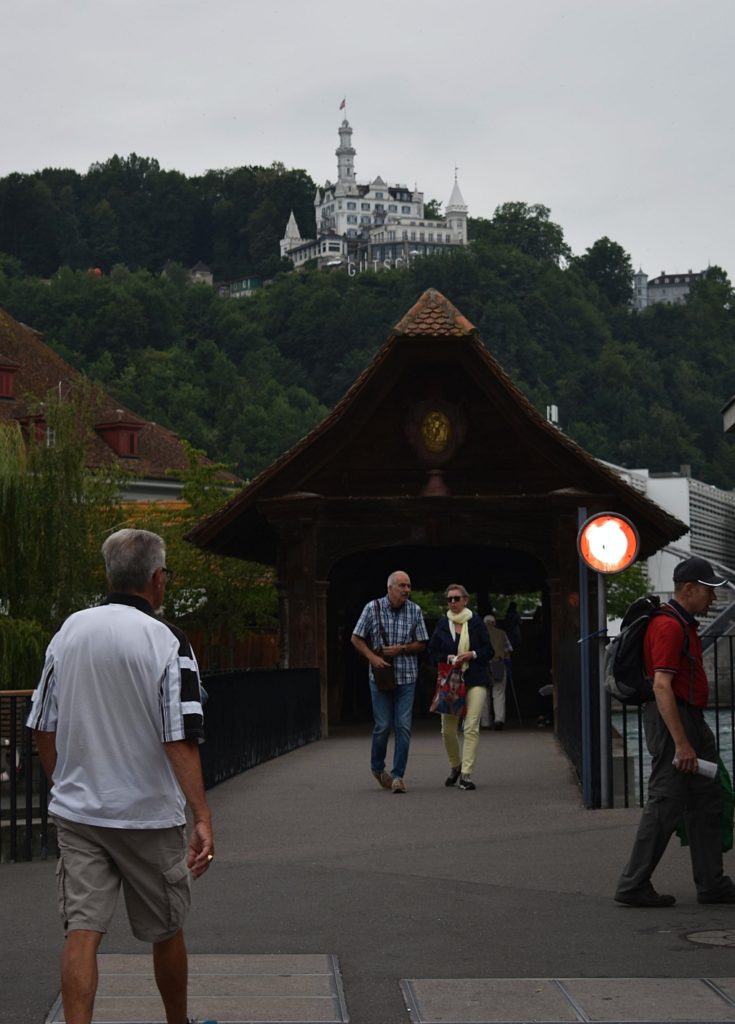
(456, 214)
(345, 157)
(292, 237)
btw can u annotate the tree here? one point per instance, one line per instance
(433, 210)
(607, 265)
(54, 515)
(528, 228)
(211, 595)
(626, 587)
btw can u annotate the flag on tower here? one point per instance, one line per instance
(343, 104)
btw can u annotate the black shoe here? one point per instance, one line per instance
(465, 782)
(645, 899)
(726, 897)
(499, 726)
(452, 777)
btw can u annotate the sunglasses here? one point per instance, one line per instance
(455, 597)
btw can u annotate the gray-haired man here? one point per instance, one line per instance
(117, 718)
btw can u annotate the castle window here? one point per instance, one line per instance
(351, 218)
(405, 209)
(364, 206)
(378, 195)
(392, 208)
(352, 206)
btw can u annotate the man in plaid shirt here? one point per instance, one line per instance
(391, 629)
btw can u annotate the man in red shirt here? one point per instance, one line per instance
(676, 736)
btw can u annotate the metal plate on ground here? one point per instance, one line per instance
(561, 1000)
(231, 989)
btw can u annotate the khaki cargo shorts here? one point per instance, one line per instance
(150, 864)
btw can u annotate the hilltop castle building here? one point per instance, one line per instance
(372, 225)
(671, 289)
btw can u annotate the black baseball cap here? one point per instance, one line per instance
(697, 570)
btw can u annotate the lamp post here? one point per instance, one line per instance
(607, 543)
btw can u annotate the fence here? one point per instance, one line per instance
(251, 717)
(629, 759)
(24, 823)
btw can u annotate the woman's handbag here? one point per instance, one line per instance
(385, 678)
(450, 696)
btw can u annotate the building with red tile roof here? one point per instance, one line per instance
(30, 370)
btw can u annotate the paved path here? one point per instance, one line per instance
(420, 900)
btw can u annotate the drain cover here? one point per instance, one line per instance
(713, 938)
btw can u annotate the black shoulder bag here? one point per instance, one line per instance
(385, 678)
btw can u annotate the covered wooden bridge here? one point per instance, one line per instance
(434, 463)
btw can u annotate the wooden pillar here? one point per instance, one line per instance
(302, 605)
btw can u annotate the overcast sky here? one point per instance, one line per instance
(616, 114)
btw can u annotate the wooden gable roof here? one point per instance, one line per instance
(363, 449)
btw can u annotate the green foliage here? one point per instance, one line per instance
(433, 209)
(607, 265)
(22, 646)
(245, 380)
(626, 587)
(210, 594)
(54, 514)
(128, 210)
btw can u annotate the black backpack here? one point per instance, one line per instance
(625, 671)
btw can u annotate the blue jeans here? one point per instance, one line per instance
(392, 709)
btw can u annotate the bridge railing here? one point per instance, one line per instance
(251, 716)
(630, 761)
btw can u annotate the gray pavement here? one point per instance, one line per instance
(512, 881)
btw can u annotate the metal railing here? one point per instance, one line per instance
(25, 831)
(630, 762)
(251, 716)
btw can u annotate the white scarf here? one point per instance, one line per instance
(461, 618)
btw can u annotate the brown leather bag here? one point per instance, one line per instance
(385, 678)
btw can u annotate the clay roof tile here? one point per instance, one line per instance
(434, 314)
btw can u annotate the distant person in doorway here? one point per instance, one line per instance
(512, 625)
(391, 630)
(676, 736)
(498, 670)
(461, 636)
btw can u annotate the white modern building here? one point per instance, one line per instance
(708, 511)
(671, 289)
(372, 225)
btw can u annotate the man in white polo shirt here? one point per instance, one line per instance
(117, 719)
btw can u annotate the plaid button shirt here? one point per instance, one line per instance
(401, 626)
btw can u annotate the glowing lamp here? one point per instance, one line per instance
(608, 543)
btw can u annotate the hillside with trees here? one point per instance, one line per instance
(246, 379)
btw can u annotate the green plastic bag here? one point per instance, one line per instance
(728, 811)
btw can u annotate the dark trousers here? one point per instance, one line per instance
(673, 795)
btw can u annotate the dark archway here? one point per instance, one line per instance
(359, 577)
